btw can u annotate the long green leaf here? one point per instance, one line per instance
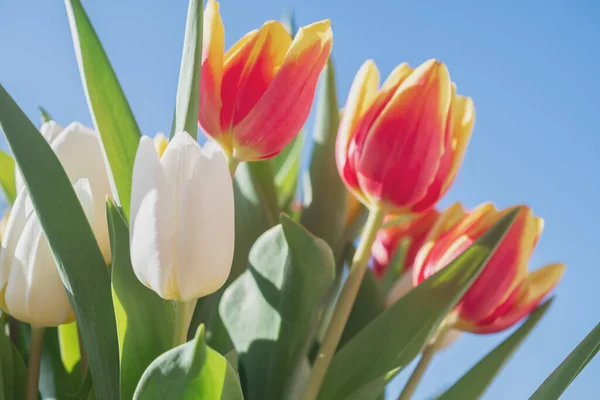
(108, 106)
(475, 382)
(325, 214)
(558, 381)
(7, 177)
(76, 252)
(412, 319)
(272, 309)
(188, 89)
(137, 308)
(68, 339)
(286, 167)
(189, 372)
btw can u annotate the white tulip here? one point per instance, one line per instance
(182, 218)
(33, 290)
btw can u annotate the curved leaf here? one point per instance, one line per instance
(188, 88)
(189, 372)
(72, 243)
(558, 381)
(108, 106)
(272, 309)
(475, 382)
(412, 319)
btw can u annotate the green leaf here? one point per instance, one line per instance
(45, 115)
(325, 214)
(558, 381)
(412, 319)
(19, 374)
(137, 308)
(190, 371)
(188, 89)
(475, 382)
(68, 339)
(286, 166)
(272, 309)
(108, 106)
(55, 381)
(72, 243)
(7, 177)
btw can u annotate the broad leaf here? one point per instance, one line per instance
(558, 381)
(272, 309)
(137, 308)
(108, 106)
(72, 243)
(189, 372)
(7, 177)
(396, 337)
(475, 382)
(325, 213)
(188, 89)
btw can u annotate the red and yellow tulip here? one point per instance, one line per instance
(505, 292)
(255, 98)
(412, 228)
(401, 146)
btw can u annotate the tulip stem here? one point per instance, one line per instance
(344, 304)
(183, 316)
(426, 356)
(33, 366)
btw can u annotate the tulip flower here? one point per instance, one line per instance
(400, 147)
(505, 291)
(182, 218)
(413, 229)
(30, 287)
(255, 98)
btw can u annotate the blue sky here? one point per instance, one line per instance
(531, 68)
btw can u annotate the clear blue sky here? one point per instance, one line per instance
(531, 67)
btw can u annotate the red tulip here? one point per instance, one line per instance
(413, 229)
(255, 98)
(505, 291)
(400, 146)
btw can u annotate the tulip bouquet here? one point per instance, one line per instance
(151, 268)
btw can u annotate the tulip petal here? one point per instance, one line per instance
(278, 116)
(362, 93)
(250, 70)
(211, 72)
(460, 125)
(501, 273)
(205, 232)
(17, 219)
(410, 131)
(80, 152)
(529, 294)
(152, 220)
(35, 293)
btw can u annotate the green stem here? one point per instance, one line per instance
(344, 304)
(183, 316)
(426, 357)
(33, 366)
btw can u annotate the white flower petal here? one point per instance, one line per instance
(14, 228)
(152, 220)
(205, 234)
(35, 292)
